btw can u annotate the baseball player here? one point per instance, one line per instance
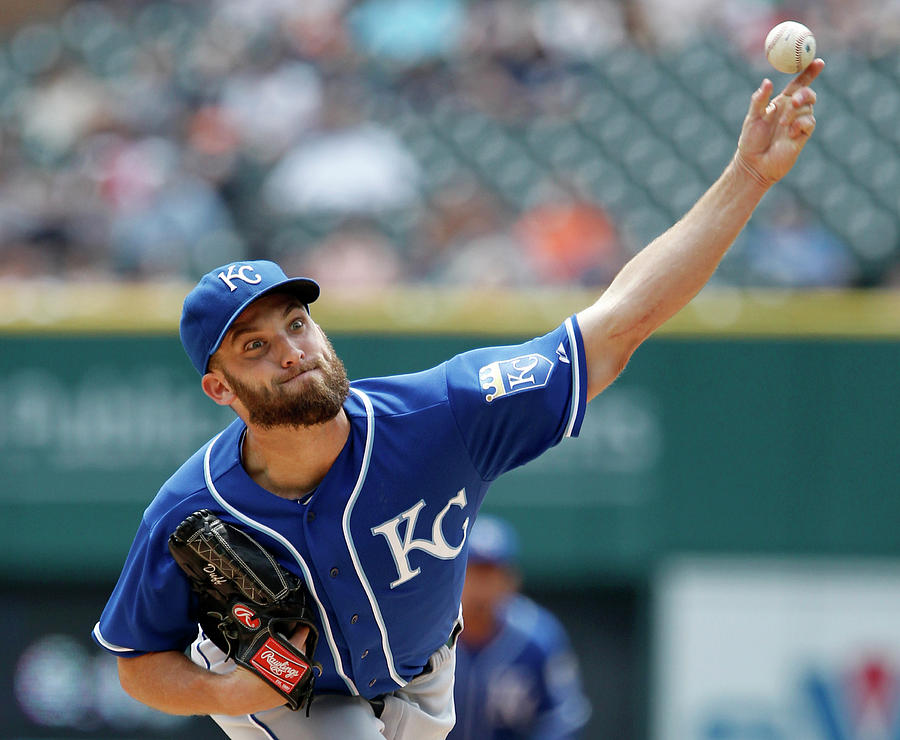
(367, 491)
(516, 675)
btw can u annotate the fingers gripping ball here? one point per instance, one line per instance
(790, 47)
(249, 605)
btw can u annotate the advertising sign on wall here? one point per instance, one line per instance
(777, 650)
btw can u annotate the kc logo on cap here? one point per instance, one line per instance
(239, 272)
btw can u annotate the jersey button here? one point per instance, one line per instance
(372, 683)
(334, 572)
(354, 619)
(310, 516)
(365, 653)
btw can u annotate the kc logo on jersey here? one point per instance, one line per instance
(505, 377)
(239, 272)
(437, 546)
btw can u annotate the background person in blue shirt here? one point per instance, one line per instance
(516, 675)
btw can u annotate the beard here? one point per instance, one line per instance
(318, 399)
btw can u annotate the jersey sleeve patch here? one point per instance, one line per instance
(517, 375)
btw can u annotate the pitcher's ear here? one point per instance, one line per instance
(217, 388)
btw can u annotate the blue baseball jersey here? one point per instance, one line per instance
(523, 684)
(381, 542)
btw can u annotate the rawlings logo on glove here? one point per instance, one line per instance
(249, 604)
(246, 616)
(278, 666)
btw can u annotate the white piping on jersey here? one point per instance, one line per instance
(109, 645)
(357, 565)
(576, 377)
(257, 723)
(326, 625)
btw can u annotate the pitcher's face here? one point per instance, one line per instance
(280, 366)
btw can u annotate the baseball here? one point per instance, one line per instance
(790, 47)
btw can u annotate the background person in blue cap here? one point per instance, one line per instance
(517, 677)
(367, 491)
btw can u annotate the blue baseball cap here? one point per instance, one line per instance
(493, 540)
(222, 294)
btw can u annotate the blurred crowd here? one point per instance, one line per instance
(378, 142)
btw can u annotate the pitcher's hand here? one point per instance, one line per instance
(776, 130)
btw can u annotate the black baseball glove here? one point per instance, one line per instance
(249, 604)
